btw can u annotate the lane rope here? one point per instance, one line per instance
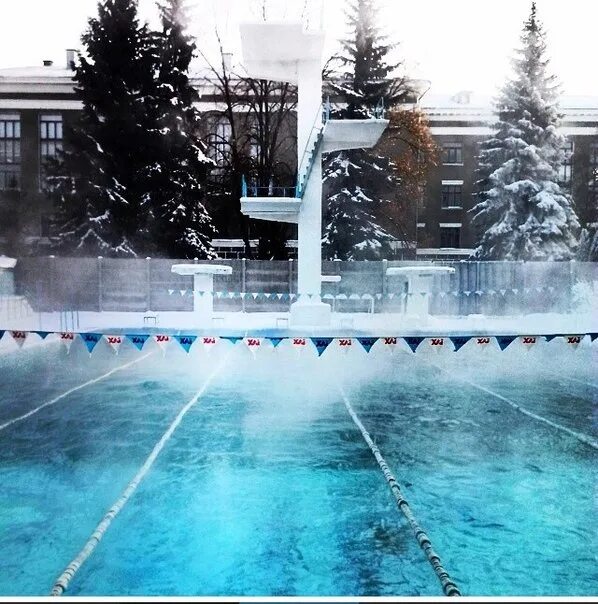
(584, 438)
(449, 587)
(62, 582)
(20, 418)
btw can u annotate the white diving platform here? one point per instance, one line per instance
(278, 209)
(341, 135)
(203, 282)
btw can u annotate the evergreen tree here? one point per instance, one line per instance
(180, 225)
(359, 184)
(522, 212)
(100, 199)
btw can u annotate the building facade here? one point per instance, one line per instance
(37, 103)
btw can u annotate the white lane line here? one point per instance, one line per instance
(15, 420)
(584, 438)
(63, 581)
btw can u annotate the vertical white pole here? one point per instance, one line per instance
(310, 217)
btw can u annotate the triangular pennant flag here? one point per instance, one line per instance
(593, 336)
(528, 341)
(253, 344)
(515, 291)
(170, 292)
(268, 296)
(367, 343)
(503, 292)
(67, 338)
(391, 296)
(573, 341)
(292, 296)
(479, 293)
(186, 342)
(275, 341)
(526, 290)
(279, 296)
(138, 340)
(321, 344)
(437, 344)
(114, 342)
(232, 339)
(551, 337)
(231, 295)
(378, 296)
(183, 292)
(505, 341)
(539, 289)
(42, 334)
(491, 292)
(413, 342)
(2, 332)
(19, 337)
(345, 344)
(219, 294)
(162, 340)
(299, 343)
(242, 295)
(390, 343)
(209, 342)
(91, 340)
(255, 295)
(443, 294)
(459, 342)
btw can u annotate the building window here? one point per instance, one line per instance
(566, 168)
(452, 195)
(10, 153)
(452, 153)
(593, 184)
(219, 142)
(450, 236)
(50, 136)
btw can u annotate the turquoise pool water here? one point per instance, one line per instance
(267, 487)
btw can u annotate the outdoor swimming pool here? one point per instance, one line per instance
(268, 488)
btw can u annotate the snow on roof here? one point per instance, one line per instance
(469, 100)
(38, 71)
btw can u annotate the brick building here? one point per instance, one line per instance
(37, 102)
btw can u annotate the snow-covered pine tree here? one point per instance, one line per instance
(100, 199)
(180, 225)
(359, 183)
(522, 213)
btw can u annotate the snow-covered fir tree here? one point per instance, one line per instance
(522, 213)
(101, 203)
(588, 245)
(180, 225)
(357, 184)
(131, 179)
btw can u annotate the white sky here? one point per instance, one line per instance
(457, 44)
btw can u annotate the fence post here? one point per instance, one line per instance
(384, 284)
(243, 281)
(148, 282)
(100, 284)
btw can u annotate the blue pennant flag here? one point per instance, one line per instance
(232, 339)
(2, 332)
(275, 341)
(42, 334)
(138, 340)
(551, 337)
(459, 341)
(593, 336)
(91, 339)
(321, 344)
(367, 343)
(185, 341)
(413, 342)
(505, 341)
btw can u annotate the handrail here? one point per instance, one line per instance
(311, 147)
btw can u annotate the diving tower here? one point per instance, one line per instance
(287, 52)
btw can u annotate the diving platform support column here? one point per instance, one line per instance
(309, 308)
